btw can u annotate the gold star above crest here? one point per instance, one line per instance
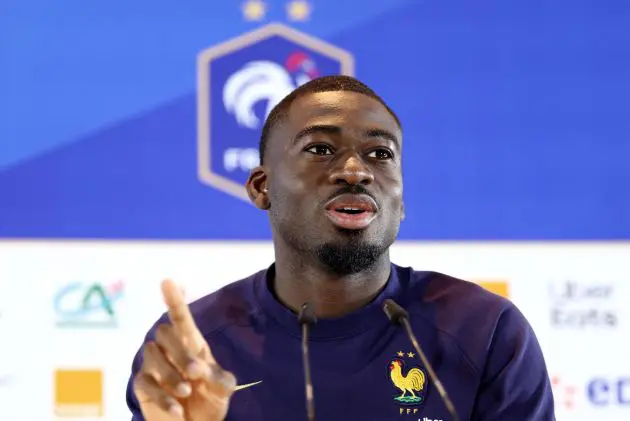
(299, 10)
(410, 354)
(254, 10)
(401, 354)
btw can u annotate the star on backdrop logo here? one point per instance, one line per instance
(254, 10)
(299, 10)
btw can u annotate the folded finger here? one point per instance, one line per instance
(174, 348)
(219, 381)
(159, 366)
(180, 355)
(148, 390)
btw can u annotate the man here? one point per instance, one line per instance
(331, 182)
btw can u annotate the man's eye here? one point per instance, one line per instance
(320, 150)
(381, 154)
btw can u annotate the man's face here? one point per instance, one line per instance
(334, 180)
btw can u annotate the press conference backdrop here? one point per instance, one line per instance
(129, 129)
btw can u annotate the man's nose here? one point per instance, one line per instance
(352, 171)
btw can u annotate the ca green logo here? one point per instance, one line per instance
(88, 304)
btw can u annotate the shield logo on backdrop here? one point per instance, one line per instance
(239, 82)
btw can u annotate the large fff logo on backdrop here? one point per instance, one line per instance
(239, 82)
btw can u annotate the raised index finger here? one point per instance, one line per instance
(180, 316)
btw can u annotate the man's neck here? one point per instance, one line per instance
(298, 281)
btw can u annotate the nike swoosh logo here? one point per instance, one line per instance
(245, 386)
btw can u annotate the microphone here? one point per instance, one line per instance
(307, 318)
(399, 316)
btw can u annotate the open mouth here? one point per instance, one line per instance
(351, 211)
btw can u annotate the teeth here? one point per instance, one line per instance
(350, 210)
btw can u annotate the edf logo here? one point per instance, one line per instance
(239, 82)
(606, 392)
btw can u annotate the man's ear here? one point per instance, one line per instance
(257, 188)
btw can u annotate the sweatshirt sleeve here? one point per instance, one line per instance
(132, 401)
(515, 383)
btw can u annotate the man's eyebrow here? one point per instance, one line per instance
(332, 129)
(384, 134)
(316, 128)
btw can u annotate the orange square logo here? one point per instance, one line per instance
(78, 393)
(501, 288)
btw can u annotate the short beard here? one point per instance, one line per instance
(350, 258)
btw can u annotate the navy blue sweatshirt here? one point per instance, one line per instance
(363, 368)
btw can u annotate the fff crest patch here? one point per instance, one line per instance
(409, 382)
(239, 82)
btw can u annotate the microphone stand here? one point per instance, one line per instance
(307, 318)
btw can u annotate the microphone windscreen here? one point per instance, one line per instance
(394, 312)
(307, 315)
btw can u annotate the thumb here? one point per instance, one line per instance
(205, 354)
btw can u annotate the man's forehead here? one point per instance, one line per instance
(311, 106)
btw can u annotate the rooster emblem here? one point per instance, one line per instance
(265, 80)
(414, 381)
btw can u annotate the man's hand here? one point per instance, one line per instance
(179, 378)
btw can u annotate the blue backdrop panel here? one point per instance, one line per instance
(515, 114)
